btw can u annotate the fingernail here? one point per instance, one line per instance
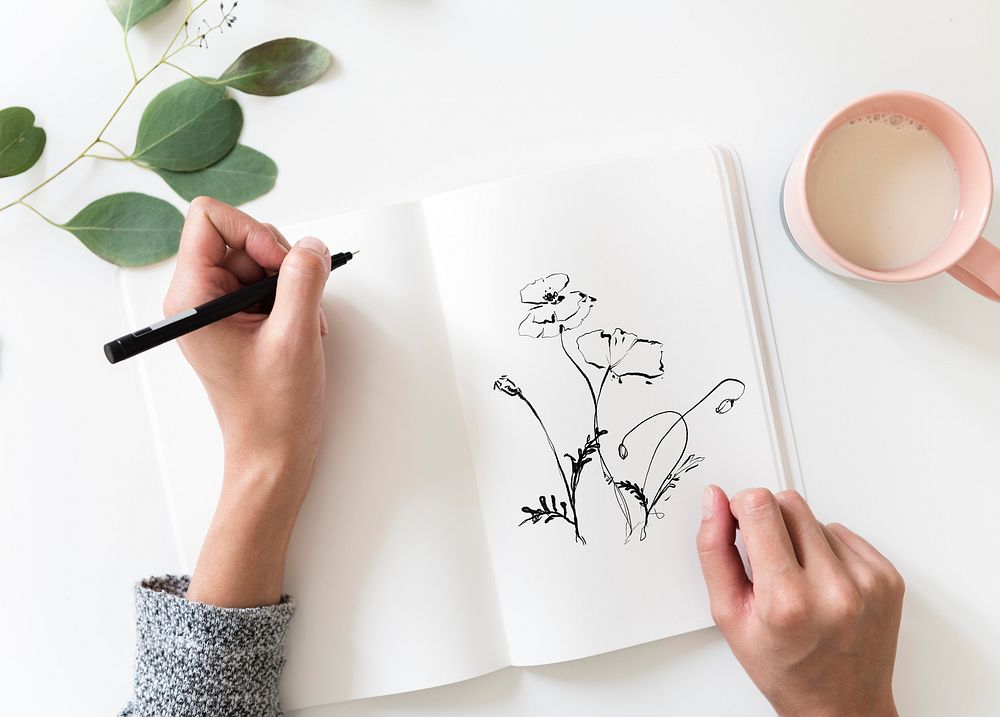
(314, 244)
(708, 502)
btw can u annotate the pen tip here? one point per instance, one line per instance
(356, 252)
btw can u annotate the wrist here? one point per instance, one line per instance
(278, 465)
(884, 707)
(243, 557)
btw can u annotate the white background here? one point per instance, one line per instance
(894, 391)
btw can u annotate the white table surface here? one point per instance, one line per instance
(894, 391)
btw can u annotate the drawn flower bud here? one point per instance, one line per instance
(622, 451)
(725, 405)
(505, 385)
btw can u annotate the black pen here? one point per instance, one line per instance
(261, 292)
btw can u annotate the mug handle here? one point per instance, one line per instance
(979, 269)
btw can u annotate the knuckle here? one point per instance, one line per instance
(787, 609)
(844, 602)
(200, 205)
(307, 263)
(837, 529)
(723, 614)
(703, 541)
(895, 582)
(868, 581)
(755, 501)
(790, 498)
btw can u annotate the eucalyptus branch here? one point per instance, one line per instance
(38, 213)
(116, 148)
(186, 130)
(192, 9)
(128, 54)
(181, 69)
(136, 81)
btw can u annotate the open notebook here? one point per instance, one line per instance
(463, 516)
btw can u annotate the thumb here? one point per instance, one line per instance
(725, 578)
(301, 280)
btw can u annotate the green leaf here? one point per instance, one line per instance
(188, 126)
(21, 143)
(130, 12)
(277, 67)
(128, 229)
(240, 176)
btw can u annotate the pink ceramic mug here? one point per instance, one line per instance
(964, 253)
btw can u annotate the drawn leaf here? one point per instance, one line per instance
(128, 229)
(21, 142)
(635, 490)
(131, 12)
(188, 126)
(240, 176)
(277, 67)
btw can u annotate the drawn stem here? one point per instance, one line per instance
(595, 398)
(570, 493)
(671, 478)
(683, 415)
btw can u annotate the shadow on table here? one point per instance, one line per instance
(636, 679)
(460, 698)
(939, 669)
(943, 305)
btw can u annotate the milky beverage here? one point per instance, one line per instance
(883, 191)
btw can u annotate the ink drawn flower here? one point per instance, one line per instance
(622, 353)
(505, 385)
(553, 308)
(725, 405)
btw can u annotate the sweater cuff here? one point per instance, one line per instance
(197, 660)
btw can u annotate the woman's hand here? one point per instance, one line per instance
(816, 629)
(265, 377)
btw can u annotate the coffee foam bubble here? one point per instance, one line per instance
(893, 119)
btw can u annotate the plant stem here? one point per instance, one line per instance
(192, 9)
(610, 479)
(116, 148)
(39, 214)
(570, 494)
(20, 200)
(128, 54)
(136, 81)
(181, 69)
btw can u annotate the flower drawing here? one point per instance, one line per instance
(553, 309)
(622, 353)
(595, 357)
(505, 385)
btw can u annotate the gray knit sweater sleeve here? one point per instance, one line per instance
(196, 660)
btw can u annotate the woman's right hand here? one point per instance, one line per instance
(265, 376)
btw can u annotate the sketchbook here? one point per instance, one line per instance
(530, 383)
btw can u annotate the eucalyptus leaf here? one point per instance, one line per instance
(188, 126)
(277, 67)
(21, 143)
(128, 229)
(130, 12)
(240, 176)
